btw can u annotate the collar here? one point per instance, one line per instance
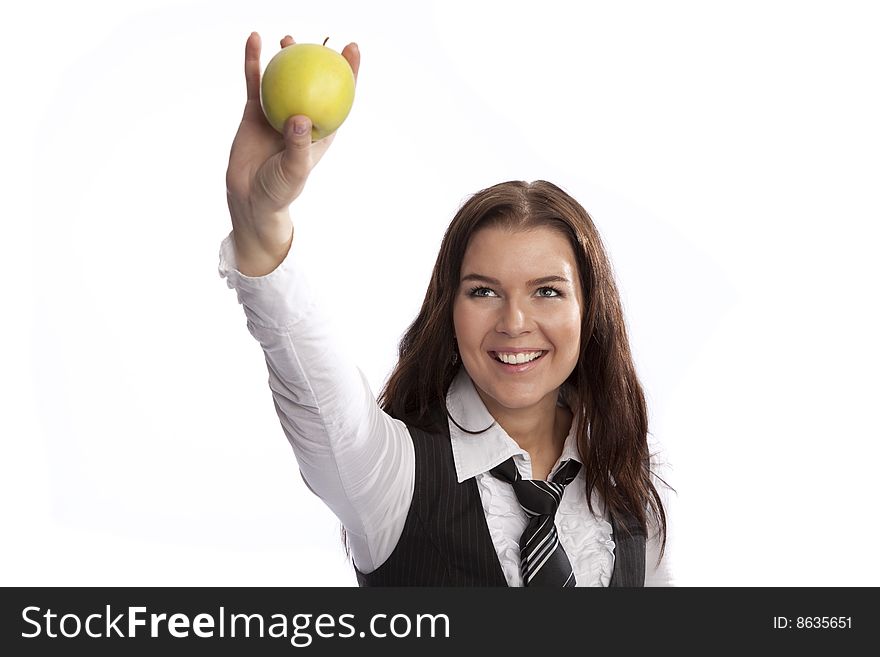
(477, 453)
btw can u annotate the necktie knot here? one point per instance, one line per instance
(566, 473)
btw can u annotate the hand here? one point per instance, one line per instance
(267, 171)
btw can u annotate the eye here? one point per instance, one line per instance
(549, 292)
(480, 292)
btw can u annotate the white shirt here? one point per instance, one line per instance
(361, 462)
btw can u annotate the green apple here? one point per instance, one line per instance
(309, 79)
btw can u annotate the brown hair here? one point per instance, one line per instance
(605, 393)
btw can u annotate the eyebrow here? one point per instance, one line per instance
(495, 281)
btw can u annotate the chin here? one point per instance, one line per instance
(513, 401)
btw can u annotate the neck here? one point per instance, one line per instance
(540, 429)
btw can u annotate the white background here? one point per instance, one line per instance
(728, 153)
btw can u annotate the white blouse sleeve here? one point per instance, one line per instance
(351, 454)
(659, 572)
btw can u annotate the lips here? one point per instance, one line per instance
(519, 355)
(510, 354)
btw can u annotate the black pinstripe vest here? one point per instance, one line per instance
(446, 541)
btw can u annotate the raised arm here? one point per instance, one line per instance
(356, 458)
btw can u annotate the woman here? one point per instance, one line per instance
(510, 447)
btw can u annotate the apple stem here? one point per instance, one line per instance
(325, 41)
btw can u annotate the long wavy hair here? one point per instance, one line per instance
(603, 390)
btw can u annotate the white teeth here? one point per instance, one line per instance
(518, 359)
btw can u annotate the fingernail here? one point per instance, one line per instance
(300, 127)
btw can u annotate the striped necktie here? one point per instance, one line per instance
(542, 560)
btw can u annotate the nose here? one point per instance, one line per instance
(514, 319)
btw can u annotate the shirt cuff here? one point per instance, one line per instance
(278, 299)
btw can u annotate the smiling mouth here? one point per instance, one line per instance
(521, 358)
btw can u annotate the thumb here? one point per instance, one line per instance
(297, 142)
(298, 132)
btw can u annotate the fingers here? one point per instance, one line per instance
(353, 55)
(252, 66)
(287, 41)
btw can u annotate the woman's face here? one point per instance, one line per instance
(519, 296)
